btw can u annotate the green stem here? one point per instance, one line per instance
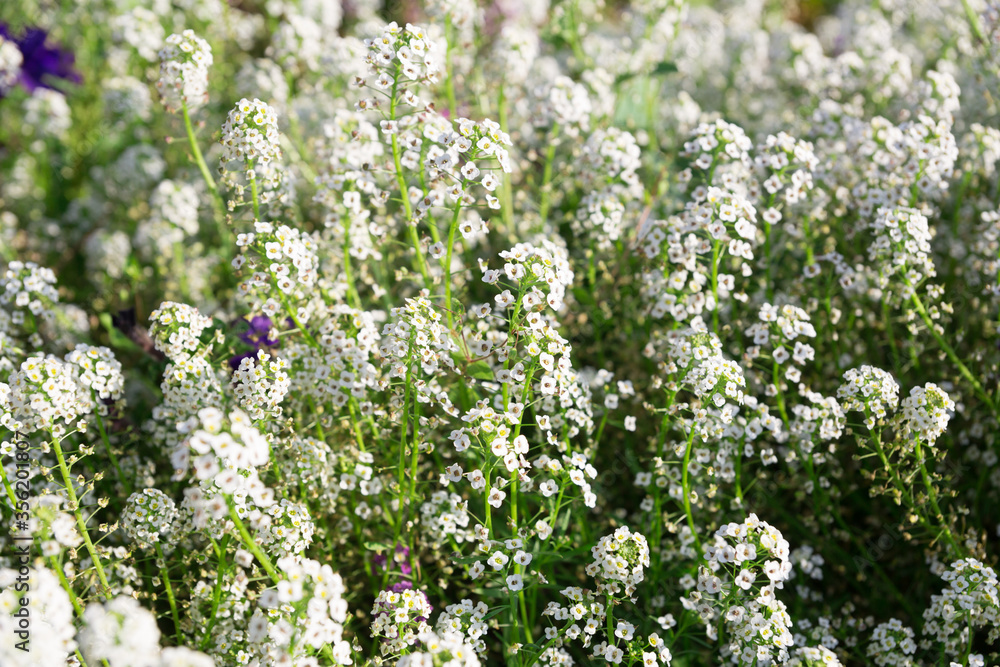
(686, 489)
(111, 454)
(404, 193)
(81, 524)
(220, 571)
(352, 289)
(447, 262)
(715, 286)
(250, 544)
(932, 496)
(255, 196)
(170, 594)
(196, 152)
(950, 351)
(546, 190)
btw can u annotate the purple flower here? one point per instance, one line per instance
(258, 331)
(41, 62)
(257, 337)
(401, 557)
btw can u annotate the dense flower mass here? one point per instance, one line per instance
(543, 333)
(185, 60)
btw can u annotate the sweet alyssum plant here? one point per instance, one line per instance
(499, 333)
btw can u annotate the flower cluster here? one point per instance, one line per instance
(261, 384)
(719, 382)
(970, 602)
(925, 412)
(902, 245)
(400, 617)
(399, 55)
(780, 329)
(892, 644)
(753, 560)
(184, 62)
(176, 329)
(619, 558)
(468, 621)
(149, 516)
(27, 294)
(869, 390)
(250, 134)
(55, 395)
(542, 273)
(10, 64)
(283, 260)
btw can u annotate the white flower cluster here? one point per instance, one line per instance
(51, 394)
(26, 287)
(340, 369)
(304, 613)
(419, 335)
(781, 328)
(447, 648)
(149, 515)
(47, 114)
(468, 621)
(51, 615)
(140, 29)
(176, 330)
(687, 244)
(122, 632)
(216, 452)
(173, 218)
(224, 452)
(902, 245)
(562, 103)
(399, 618)
(970, 602)
(820, 418)
(98, 371)
(188, 385)
(541, 272)
(250, 134)
(717, 381)
(747, 553)
(456, 155)
(892, 645)
(284, 264)
(926, 412)
(619, 558)
(786, 165)
(813, 656)
(445, 517)
(869, 390)
(261, 384)
(10, 64)
(400, 55)
(184, 62)
(712, 145)
(514, 52)
(285, 528)
(608, 171)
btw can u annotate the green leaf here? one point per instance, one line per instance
(664, 67)
(661, 68)
(118, 339)
(480, 370)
